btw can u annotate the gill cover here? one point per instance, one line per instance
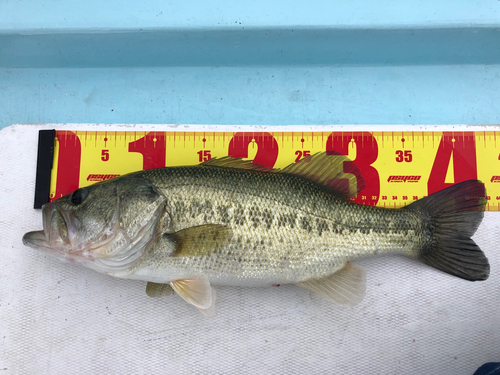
(139, 202)
(108, 225)
(139, 206)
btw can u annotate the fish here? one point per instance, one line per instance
(228, 221)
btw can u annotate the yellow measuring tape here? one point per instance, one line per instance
(399, 167)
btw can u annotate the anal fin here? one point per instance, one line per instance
(346, 287)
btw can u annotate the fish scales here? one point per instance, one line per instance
(231, 222)
(309, 232)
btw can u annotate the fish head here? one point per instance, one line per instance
(104, 226)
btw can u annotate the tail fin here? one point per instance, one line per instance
(453, 215)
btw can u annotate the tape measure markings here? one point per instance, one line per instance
(397, 171)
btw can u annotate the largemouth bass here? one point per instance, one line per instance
(231, 222)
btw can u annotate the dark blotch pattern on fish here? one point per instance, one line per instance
(180, 207)
(208, 212)
(223, 213)
(194, 208)
(336, 229)
(254, 214)
(268, 218)
(288, 219)
(239, 215)
(304, 224)
(321, 226)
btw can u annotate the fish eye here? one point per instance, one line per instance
(79, 196)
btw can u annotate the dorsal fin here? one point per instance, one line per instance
(237, 163)
(328, 168)
(331, 169)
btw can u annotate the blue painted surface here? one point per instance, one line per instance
(248, 47)
(222, 62)
(254, 95)
(34, 15)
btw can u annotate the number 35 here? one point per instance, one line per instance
(404, 156)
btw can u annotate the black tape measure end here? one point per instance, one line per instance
(45, 158)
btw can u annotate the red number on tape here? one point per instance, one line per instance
(460, 147)
(153, 149)
(105, 155)
(70, 150)
(267, 152)
(366, 154)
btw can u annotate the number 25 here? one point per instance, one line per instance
(301, 154)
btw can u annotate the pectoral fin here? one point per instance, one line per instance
(197, 292)
(157, 290)
(200, 241)
(345, 287)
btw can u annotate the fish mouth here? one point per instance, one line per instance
(59, 237)
(112, 251)
(55, 231)
(36, 239)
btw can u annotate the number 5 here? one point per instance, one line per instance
(105, 155)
